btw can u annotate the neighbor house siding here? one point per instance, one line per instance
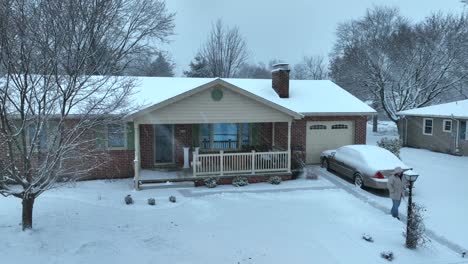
(411, 128)
(463, 143)
(201, 108)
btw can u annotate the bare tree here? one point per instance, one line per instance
(254, 71)
(403, 66)
(225, 51)
(51, 107)
(311, 68)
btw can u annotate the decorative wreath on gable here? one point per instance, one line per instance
(217, 94)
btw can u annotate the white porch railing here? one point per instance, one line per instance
(219, 164)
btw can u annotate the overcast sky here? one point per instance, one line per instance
(285, 30)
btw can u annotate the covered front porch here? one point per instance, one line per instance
(181, 152)
(215, 130)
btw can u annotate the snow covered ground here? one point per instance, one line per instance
(442, 186)
(302, 221)
(89, 223)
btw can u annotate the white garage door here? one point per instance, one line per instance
(325, 135)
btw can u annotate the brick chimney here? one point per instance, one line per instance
(280, 79)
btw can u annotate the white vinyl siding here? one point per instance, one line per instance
(201, 108)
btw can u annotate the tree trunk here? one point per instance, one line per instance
(28, 204)
(375, 119)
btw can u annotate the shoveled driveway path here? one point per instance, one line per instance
(358, 193)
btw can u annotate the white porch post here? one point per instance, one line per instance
(137, 161)
(289, 146)
(273, 134)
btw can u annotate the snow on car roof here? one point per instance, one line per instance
(457, 109)
(377, 157)
(305, 96)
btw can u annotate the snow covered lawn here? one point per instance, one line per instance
(442, 187)
(89, 223)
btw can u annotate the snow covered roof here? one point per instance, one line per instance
(307, 97)
(457, 109)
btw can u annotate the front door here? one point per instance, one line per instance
(164, 143)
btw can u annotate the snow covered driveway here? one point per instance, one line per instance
(90, 223)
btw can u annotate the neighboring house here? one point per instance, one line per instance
(441, 128)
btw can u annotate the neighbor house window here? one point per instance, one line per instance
(427, 126)
(447, 126)
(224, 135)
(116, 136)
(463, 130)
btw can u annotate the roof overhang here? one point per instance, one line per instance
(340, 114)
(434, 116)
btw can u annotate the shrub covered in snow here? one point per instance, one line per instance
(297, 164)
(240, 181)
(128, 199)
(275, 180)
(172, 199)
(392, 145)
(211, 182)
(388, 255)
(416, 235)
(367, 238)
(152, 201)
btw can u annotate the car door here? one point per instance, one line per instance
(345, 162)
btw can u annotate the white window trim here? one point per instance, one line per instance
(424, 127)
(443, 125)
(125, 137)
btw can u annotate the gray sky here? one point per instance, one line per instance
(286, 30)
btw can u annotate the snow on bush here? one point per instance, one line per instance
(275, 180)
(367, 238)
(416, 231)
(240, 181)
(172, 199)
(392, 145)
(211, 182)
(388, 255)
(152, 201)
(297, 164)
(128, 199)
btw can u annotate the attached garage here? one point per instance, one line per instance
(323, 135)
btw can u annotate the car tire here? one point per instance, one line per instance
(358, 180)
(325, 164)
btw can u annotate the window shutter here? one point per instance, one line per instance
(130, 136)
(100, 132)
(195, 135)
(255, 134)
(463, 130)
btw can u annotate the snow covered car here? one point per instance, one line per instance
(366, 165)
